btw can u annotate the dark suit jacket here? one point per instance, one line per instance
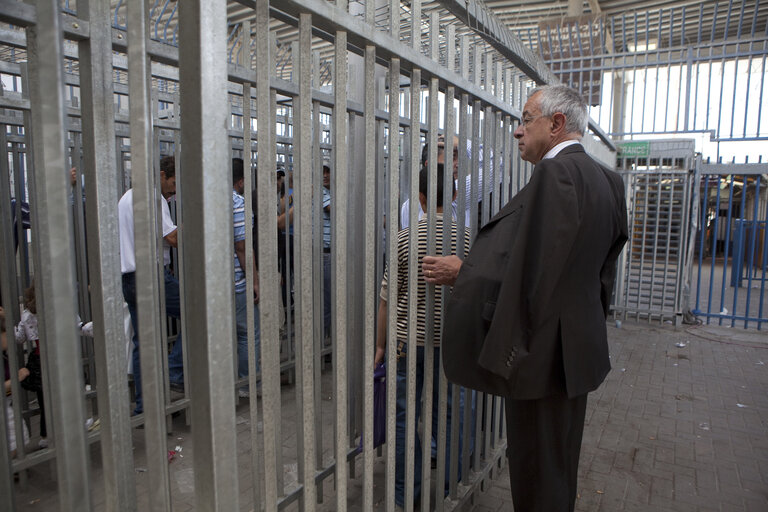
(526, 318)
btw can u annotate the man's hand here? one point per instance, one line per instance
(23, 374)
(440, 269)
(380, 353)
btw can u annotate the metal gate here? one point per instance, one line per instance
(652, 269)
(731, 246)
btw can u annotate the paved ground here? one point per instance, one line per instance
(679, 425)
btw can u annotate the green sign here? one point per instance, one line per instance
(635, 149)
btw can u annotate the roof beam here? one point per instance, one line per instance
(487, 25)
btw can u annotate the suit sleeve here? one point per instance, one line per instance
(608, 270)
(548, 228)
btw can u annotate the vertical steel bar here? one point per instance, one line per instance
(369, 276)
(412, 283)
(339, 195)
(7, 280)
(145, 207)
(429, 339)
(668, 249)
(394, 19)
(450, 130)
(305, 404)
(253, 354)
(702, 231)
(318, 287)
(742, 240)
(714, 249)
(486, 176)
(393, 146)
(208, 282)
(416, 25)
(267, 257)
(726, 248)
(752, 245)
(54, 269)
(507, 147)
(764, 266)
(688, 79)
(276, 414)
(656, 234)
(101, 178)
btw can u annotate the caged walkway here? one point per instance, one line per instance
(681, 424)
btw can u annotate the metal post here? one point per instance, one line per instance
(208, 281)
(101, 179)
(54, 268)
(145, 207)
(305, 361)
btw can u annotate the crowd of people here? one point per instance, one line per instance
(525, 315)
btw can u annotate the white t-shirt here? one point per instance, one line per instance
(125, 223)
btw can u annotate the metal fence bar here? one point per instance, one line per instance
(254, 353)
(752, 246)
(393, 146)
(450, 130)
(145, 207)
(369, 274)
(413, 139)
(742, 208)
(208, 187)
(267, 261)
(339, 195)
(8, 281)
(54, 253)
(101, 183)
(428, 396)
(305, 319)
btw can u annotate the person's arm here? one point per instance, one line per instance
(281, 219)
(240, 253)
(23, 374)
(440, 269)
(172, 238)
(381, 332)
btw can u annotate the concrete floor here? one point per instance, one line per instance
(680, 424)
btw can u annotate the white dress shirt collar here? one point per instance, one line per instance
(552, 153)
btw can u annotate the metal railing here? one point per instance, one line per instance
(180, 103)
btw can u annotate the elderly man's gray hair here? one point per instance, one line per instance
(560, 98)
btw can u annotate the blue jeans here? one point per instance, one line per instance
(172, 309)
(327, 293)
(241, 322)
(402, 377)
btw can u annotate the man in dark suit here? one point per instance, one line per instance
(529, 303)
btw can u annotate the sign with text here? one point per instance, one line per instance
(634, 149)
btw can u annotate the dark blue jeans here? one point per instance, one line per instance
(327, 293)
(402, 377)
(172, 309)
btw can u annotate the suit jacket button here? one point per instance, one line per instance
(509, 363)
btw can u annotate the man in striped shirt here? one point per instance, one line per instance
(421, 332)
(241, 299)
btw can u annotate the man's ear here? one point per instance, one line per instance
(422, 199)
(558, 122)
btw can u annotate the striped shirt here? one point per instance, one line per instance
(326, 218)
(238, 214)
(421, 294)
